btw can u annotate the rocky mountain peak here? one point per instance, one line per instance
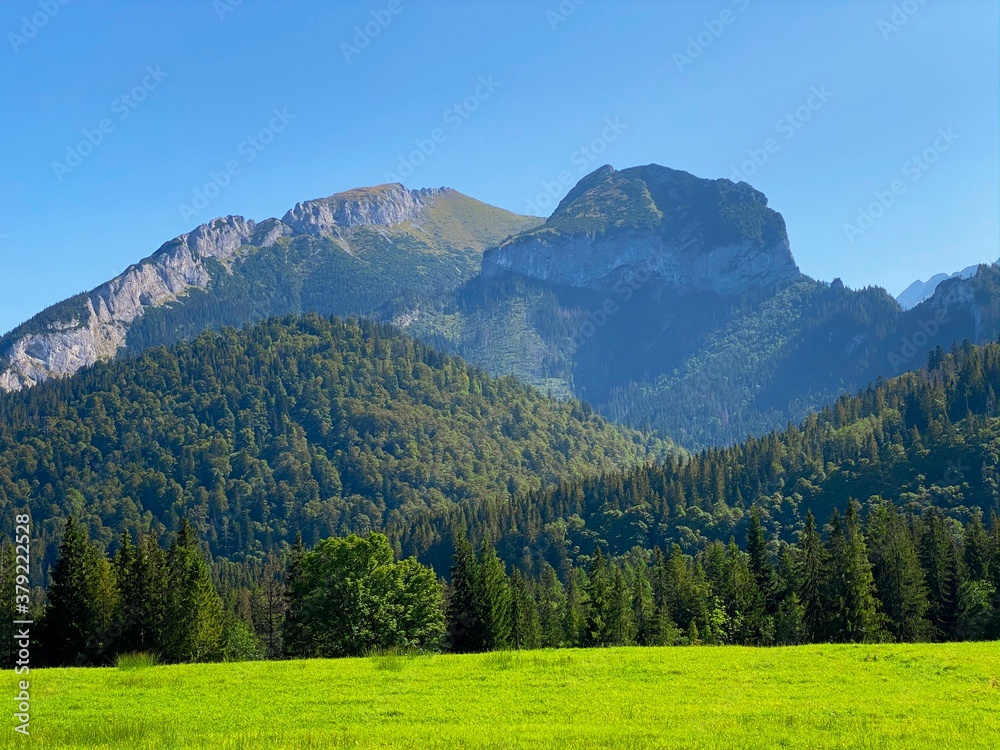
(688, 232)
(382, 205)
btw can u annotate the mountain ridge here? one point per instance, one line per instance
(95, 325)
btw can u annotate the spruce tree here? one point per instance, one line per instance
(596, 629)
(465, 631)
(493, 600)
(899, 579)
(526, 632)
(789, 620)
(940, 559)
(851, 586)
(296, 631)
(551, 607)
(574, 619)
(760, 563)
(665, 631)
(76, 629)
(621, 628)
(812, 576)
(194, 613)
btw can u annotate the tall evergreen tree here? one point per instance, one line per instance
(596, 629)
(574, 620)
(621, 628)
(760, 563)
(851, 586)
(465, 629)
(526, 631)
(296, 631)
(551, 607)
(812, 575)
(82, 600)
(194, 613)
(941, 561)
(493, 599)
(899, 579)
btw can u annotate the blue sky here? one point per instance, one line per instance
(871, 126)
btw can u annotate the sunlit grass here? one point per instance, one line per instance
(884, 696)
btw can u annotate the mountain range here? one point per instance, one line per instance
(919, 290)
(670, 302)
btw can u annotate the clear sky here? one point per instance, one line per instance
(259, 104)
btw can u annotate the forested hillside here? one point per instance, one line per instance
(929, 439)
(299, 424)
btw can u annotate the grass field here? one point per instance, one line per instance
(909, 696)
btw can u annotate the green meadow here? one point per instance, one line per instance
(830, 696)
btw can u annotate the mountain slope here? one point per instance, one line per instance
(673, 303)
(346, 254)
(296, 424)
(927, 439)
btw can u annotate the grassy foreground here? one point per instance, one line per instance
(885, 696)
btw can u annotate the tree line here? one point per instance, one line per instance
(893, 576)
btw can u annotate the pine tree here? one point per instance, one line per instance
(899, 579)
(194, 614)
(574, 620)
(465, 632)
(296, 631)
(812, 575)
(851, 586)
(940, 559)
(76, 629)
(621, 628)
(596, 629)
(493, 601)
(551, 607)
(526, 630)
(760, 563)
(129, 616)
(977, 550)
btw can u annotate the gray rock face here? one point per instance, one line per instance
(384, 205)
(653, 223)
(684, 261)
(179, 266)
(171, 271)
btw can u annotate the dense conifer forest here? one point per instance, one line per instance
(322, 426)
(874, 520)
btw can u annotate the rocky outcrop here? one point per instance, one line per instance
(64, 347)
(384, 205)
(98, 329)
(653, 223)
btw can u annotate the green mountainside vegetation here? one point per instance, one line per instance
(312, 425)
